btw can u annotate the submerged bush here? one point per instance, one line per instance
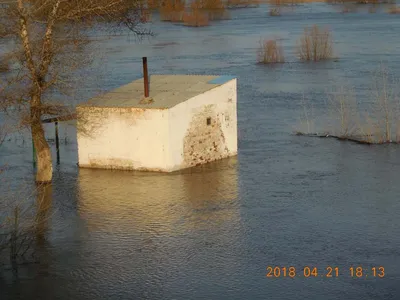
(376, 123)
(275, 12)
(270, 52)
(152, 4)
(172, 10)
(394, 10)
(199, 13)
(215, 9)
(196, 17)
(23, 223)
(315, 44)
(242, 3)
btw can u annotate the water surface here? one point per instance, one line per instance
(210, 232)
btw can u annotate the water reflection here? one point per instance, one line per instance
(28, 248)
(166, 204)
(157, 229)
(43, 210)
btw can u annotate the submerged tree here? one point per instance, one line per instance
(47, 38)
(24, 221)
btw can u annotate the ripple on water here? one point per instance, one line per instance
(210, 232)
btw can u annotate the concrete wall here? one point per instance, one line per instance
(197, 131)
(192, 140)
(123, 138)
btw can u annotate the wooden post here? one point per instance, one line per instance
(57, 143)
(145, 77)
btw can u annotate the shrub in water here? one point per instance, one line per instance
(172, 10)
(270, 52)
(315, 44)
(394, 10)
(196, 17)
(274, 12)
(242, 3)
(215, 9)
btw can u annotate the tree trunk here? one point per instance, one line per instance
(44, 165)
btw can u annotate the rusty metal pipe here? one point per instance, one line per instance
(145, 77)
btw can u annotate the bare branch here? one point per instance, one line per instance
(47, 43)
(25, 38)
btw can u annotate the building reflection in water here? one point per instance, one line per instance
(165, 204)
(160, 229)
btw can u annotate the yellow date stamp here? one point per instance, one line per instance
(324, 272)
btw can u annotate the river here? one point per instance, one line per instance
(211, 232)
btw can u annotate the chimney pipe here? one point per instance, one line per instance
(145, 77)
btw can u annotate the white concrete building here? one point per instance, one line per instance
(186, 121)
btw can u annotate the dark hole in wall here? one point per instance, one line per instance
(208, 121)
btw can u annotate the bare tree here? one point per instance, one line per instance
(47, 38)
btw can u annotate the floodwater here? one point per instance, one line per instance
(212, 231)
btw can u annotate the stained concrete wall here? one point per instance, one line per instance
(192, 140)
(123, 138)
(199, 130)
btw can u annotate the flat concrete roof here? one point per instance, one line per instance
(165, 90)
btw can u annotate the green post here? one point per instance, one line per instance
(33, 154)
(57, 143)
